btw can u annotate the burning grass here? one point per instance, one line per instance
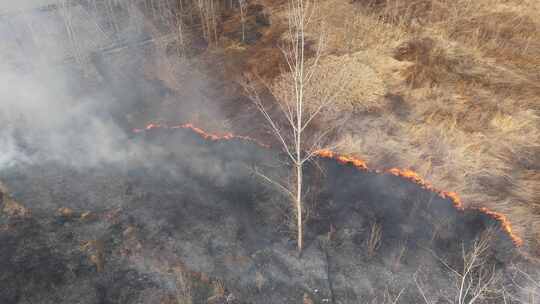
(462, 95)
(345, 160)
(378, 222)
(361, 165)
(415, 178)
(198, 131)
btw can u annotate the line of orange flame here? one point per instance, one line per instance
(456, 201)
(344, 160)
(198, 131)
(417, 179)
(361, 165)
(505, 223)
(404, 173)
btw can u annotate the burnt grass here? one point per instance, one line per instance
(189, 220)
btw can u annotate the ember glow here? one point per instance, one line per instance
(360, 165)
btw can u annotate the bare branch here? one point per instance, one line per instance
(420, 288)
(273, 182)
(316, 145)
(398, 296)
(254, 96)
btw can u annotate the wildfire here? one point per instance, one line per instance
(456, 201)
(198, 131)
(360, 165)
(505, 224)
(344, 160)
(415, 178)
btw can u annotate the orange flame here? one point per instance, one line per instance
(505, 224)
(456, 201)
(149, 126)
(417, 179)
(360, 165)
(344, 160)
(199, 131)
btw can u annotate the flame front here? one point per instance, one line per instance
(360, 165)
(198, 131)
(505, 224)
(344, 160)
(417, 179)
(456, 201)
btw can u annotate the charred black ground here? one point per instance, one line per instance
(189, 219)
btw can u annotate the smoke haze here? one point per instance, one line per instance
(42, 120)
(72, 81)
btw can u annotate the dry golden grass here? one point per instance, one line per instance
(345, 81)
(463, 96)
(351, 29)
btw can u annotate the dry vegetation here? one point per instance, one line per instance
(459, 96)
(449, 89)
(475, 280)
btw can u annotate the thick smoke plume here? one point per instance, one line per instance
(46, 110)
(43, 120)
(74, 81)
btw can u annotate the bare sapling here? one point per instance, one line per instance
(524, 288)
(300, 101)
(208, 15)
(475, 280)
(65, 9)
(243, 5)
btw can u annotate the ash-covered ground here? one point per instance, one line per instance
(189, 221)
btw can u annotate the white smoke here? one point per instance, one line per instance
(43, 121)
(47, 111)
(74, 79)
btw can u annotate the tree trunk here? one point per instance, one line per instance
(299, 206)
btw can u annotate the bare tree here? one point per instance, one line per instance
(477, 276)
(525, 285)
(243, 6)
(475, 280)
(208, 15)
(387, 297)
(183, 286)
(299, 101)
(67, 17)
(180, 30)
(110, 7)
